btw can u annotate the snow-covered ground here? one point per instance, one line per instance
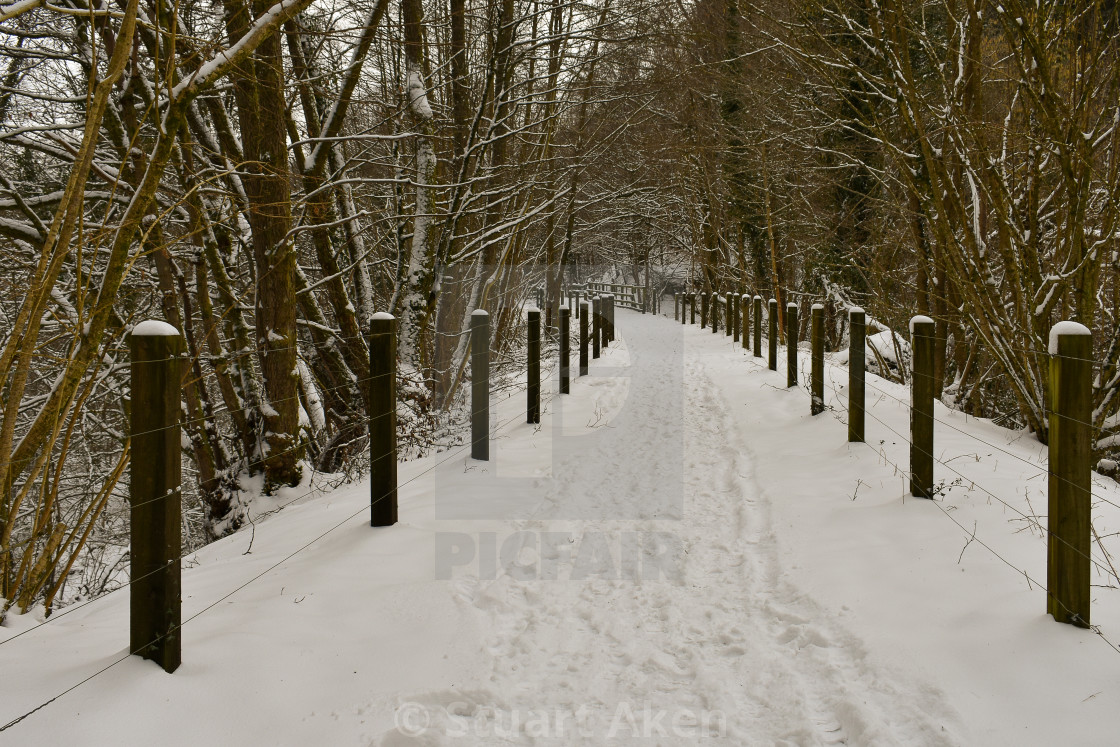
(679, 553)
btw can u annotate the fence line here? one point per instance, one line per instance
(928, 453)
(1069, 602)
(246, 465)
(454, 454)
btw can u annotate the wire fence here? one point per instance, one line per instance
(1103, 564)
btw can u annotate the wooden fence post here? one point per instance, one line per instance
(605, 325)
(604, 320)
(596, 325)
(610, 318)
(735, 317)
(1070, 480)
(729, 314)
(480, 385)
(155, 492)
(703, 310)
(792, 331)
(715, 313)
(692, 307)
(533, 390)
(817, 376)
(745, 320)
(583, 311)
(857, 355)
(921, 407)
(772, 340)
(675, 317)
(757, 326)
(565, 350)
(382, 420)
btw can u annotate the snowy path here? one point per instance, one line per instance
(720, 632)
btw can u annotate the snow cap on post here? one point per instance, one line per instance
(791, 305)
(818, 307)
(759, 297)
(154, 328)
(919, 319)
(1065, 328)
(480, 312)
(531, 309)
(855, 310)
